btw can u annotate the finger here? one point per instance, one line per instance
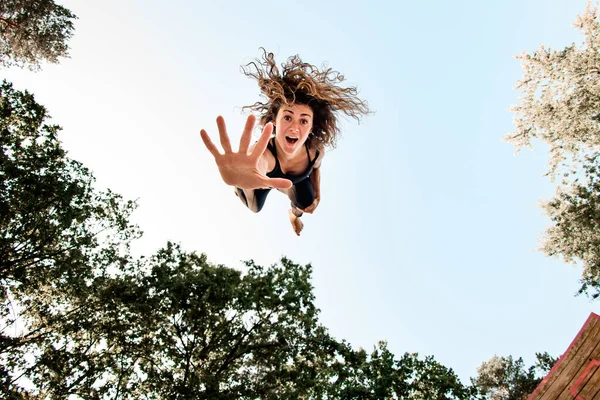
(277, 183)
(247, 135)
(263, 141)
(209, 144)
(223, 135)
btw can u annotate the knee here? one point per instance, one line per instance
(255, 202)
(303, 202)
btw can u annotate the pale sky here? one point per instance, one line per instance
(427, 232)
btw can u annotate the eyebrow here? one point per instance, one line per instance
(291, 112)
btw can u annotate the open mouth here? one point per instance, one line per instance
(291, 140)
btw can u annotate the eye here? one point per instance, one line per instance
(287, 118)
(304, 121)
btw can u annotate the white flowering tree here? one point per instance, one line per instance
(560, 104)
(506, 378)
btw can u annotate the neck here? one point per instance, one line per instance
(283, 156)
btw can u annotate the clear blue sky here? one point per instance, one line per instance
(427, 232)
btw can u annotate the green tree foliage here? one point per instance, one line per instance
(560, 104)
(57, 235)
(182, 328)
(379, 375)
(504, 378)
(187, 329)
(32, 31)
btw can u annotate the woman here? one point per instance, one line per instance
(300, 109)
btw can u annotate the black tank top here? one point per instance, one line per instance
(278, 173)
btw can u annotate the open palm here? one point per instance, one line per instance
(241, 169)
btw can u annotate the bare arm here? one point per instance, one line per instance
(315, 180)
(315, 176)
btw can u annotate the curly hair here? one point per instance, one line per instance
(302, 83)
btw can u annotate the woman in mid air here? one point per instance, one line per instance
(299, 121)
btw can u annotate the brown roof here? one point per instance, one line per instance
(577, 374)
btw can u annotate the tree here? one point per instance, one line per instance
(183, 328)
(560, 104)
(176, 326)
(379, 375)
(32, 31)
(187, 329)
(57, 235)
(503, 378)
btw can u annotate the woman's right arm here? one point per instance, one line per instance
(245, 169)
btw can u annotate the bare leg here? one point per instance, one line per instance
(297, 224)
(301, 195)
(253, 199)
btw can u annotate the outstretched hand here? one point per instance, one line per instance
(241, 169)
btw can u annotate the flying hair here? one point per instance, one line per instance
(297, 82)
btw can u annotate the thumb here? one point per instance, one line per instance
(278, 183)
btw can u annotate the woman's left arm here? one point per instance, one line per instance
(315, 180)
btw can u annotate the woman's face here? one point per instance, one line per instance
(293, 125)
